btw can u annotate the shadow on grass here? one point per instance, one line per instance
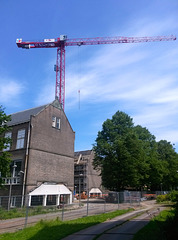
(162, 231)
(59, 231)
(159, 229)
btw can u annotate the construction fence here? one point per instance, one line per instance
(26, 215)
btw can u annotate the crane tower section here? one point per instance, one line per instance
(62, 42)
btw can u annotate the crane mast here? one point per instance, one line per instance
(62, 42)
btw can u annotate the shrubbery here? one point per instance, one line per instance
(165, 225)
(172, 196)
(162, 198)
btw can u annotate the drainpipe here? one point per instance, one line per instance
(26, 160)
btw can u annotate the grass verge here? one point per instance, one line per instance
(56, 229)
(21, 212)
(162, 227)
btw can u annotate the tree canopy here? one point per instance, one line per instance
(128, 156)
(4, 141)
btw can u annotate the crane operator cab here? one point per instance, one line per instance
(63, 37)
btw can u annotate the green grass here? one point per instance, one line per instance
(13, 213)
(21, 212)
(162, 227)
(56, 229)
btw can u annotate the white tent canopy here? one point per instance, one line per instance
(47, 190)
(96, 192)
(50, 189)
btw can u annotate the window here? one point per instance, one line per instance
(56, 122)
(15, 168)
(20, 138)
(13, 201)
(8, 145)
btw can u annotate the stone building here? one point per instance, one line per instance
(42, 153)
(86, 179)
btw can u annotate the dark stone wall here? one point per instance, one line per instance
(51, 151)
(51, 154)
(49, 167)
(50, 139)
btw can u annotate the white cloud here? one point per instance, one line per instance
(10, 90)
(156, 26)
(47, 94)
(160, 119)
(126, 80)
(168, 134)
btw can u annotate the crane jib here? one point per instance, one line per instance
(63, 41)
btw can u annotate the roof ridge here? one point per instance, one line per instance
(82, 151)
(30, 109)
(25, 115)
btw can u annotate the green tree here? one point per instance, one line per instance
(4, 156)
(148, 148)
(169, 160)
(119, 153)
(129, 156)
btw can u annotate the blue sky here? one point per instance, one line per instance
(140, 79)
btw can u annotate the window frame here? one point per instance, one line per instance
(15, 172)
(20, 139)
(56, 122)
(8, 145)
(53, 121)
(13, 201)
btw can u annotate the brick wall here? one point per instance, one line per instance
(51, 155)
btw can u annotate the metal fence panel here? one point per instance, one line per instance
(28, 215)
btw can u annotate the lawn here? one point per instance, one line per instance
(56, 229)
(21, 212)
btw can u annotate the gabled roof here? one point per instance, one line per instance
(24, 116)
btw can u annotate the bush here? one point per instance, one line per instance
(163, 198)
(173, 195)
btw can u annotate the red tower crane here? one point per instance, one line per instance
(62, 42)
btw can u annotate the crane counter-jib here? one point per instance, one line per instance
(28, 45)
